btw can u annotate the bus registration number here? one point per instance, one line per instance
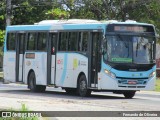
(132, 82)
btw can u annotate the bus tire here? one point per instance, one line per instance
(129, 94)
(82, 87)
(32, 84)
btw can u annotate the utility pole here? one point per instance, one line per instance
(8, 12)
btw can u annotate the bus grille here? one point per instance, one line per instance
(132, 83)
(132, 86)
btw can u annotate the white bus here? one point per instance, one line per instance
(82, 56)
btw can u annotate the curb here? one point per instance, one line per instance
(148, 92)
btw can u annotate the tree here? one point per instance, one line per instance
(33, 11)
(29, 12)
(57, 14)
(2, 14)
(2, 21)
(2, 33)
(140, 10)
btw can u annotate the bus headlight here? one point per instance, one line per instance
(110, 73)
(152, 74)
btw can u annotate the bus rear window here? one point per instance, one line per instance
(11, 41)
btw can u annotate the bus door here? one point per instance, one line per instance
(51, 58)
(20, 56)
(95, 58)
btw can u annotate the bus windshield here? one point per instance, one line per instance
(129, 49)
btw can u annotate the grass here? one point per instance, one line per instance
(157, 87)
(1, 75)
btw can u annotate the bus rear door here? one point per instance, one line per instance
(20, 56)
(51, 57)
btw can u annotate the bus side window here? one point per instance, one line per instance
(72, 41)
(63, 41)
(83, 42)
(21, 38)
(11, 41)
(41, 43)
(31, 41)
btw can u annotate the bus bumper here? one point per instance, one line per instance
(109, 83)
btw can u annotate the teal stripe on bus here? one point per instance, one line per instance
(64, 68)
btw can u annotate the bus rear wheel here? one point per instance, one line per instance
(32, 84)
(129, 94)
(82, 87)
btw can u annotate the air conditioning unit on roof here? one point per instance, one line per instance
(130, 21)
(69, 21)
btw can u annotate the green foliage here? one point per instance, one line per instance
(26, 13)
(57, 14)
(148, 12)
(157, 85)
(33, 11)
(2, 33)
(2, 14)
(24, 108)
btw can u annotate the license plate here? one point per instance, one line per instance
(131, 82)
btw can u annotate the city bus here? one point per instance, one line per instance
(82, 56)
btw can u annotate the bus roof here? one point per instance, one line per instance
(71, 24)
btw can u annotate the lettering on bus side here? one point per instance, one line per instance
(82, 63)
(30, 55)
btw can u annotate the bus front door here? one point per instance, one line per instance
(51, 58)
(20, 56)
(95, 59)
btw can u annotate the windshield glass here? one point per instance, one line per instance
(129, 49)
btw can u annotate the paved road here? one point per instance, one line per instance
(14, 95)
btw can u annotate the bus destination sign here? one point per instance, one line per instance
(130, 28)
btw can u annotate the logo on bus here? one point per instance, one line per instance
(28, 63)
(137, 75)
(60, 61)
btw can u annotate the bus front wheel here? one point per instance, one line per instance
(32, 84)
(82, 87)
(129, 94)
